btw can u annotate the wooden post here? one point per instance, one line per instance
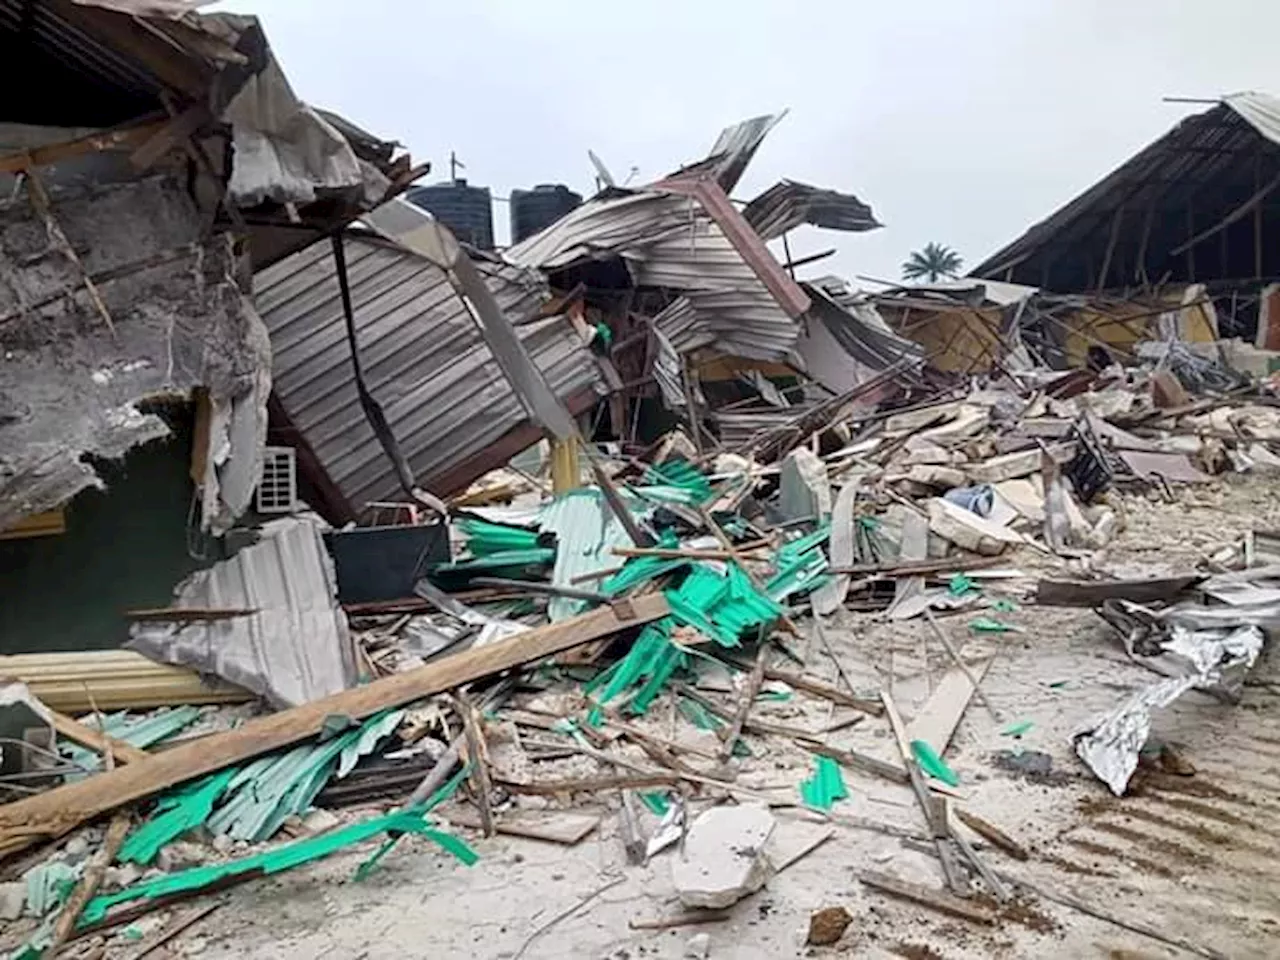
(566, 472)
(1257, 222)
(1111, 248)
(1191, 252)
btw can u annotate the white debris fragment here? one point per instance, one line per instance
(13, 898)
(723, 858)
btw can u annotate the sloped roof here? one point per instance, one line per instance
(1184, 184)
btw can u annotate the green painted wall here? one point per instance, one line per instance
(125, 547)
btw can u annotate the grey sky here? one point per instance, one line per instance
(960, 121)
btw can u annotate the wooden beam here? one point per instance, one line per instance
(1251, 204)
(91, 738)
(1111, 248)
(58, 811)
(119, 138)
(926, 896)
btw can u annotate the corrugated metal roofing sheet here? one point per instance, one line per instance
(604, 226)
(788, 204)
(736, 145)
(294, 649)
(424, 359)
(669, 240)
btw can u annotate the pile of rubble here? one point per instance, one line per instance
(536, 660)
(397, 629)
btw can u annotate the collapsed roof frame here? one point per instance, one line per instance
(1191, 207)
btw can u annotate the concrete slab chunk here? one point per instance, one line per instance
(724, 858)
(13, 897)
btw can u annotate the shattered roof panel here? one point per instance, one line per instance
(736, 145)
(863, 334)
(671, 240)
(788, 204)
(603, 226)
(730, 303)
(296, 648)
(424, 359)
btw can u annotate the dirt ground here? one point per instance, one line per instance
(1197, 857)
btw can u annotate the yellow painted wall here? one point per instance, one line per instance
(957, 341)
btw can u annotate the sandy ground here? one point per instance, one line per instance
(1196, 857)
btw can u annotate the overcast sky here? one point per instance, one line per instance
(959, 121)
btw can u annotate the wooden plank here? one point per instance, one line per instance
(731, 733)
(88, 737)
(925, 896)
(825, 691)
(57, 811)
(991, 833)
(120, 138)
(562, 827)
(89, 883)
(939, 717)
(1092, 593)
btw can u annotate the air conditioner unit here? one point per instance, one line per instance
(278, 487)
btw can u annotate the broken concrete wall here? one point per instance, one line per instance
(167, 318)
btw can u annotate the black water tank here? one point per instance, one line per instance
(464, 209)
(536, 209)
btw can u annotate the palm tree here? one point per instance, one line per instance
(932, 263)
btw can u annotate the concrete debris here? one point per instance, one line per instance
(13, 899)
(805, 489)
(968, 530)
(724, 858)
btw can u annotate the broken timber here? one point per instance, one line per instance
(57, 811)
(917, 893)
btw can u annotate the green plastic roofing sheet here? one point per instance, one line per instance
(141, 732)
(800, 565)
(485, 537)
(282, 858)
(825, 787)
(680, 475)
(251, 802)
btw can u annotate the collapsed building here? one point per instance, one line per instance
(1172, 245)
(166, 159)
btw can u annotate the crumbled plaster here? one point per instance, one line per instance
(70, 385)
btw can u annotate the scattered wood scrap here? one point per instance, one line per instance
(824, 690)
(57, 811)
(86, 736)
(941, 714)
(563, 827)
(89, 883)
(991, 833)
(1093, 593)
(925, 896)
